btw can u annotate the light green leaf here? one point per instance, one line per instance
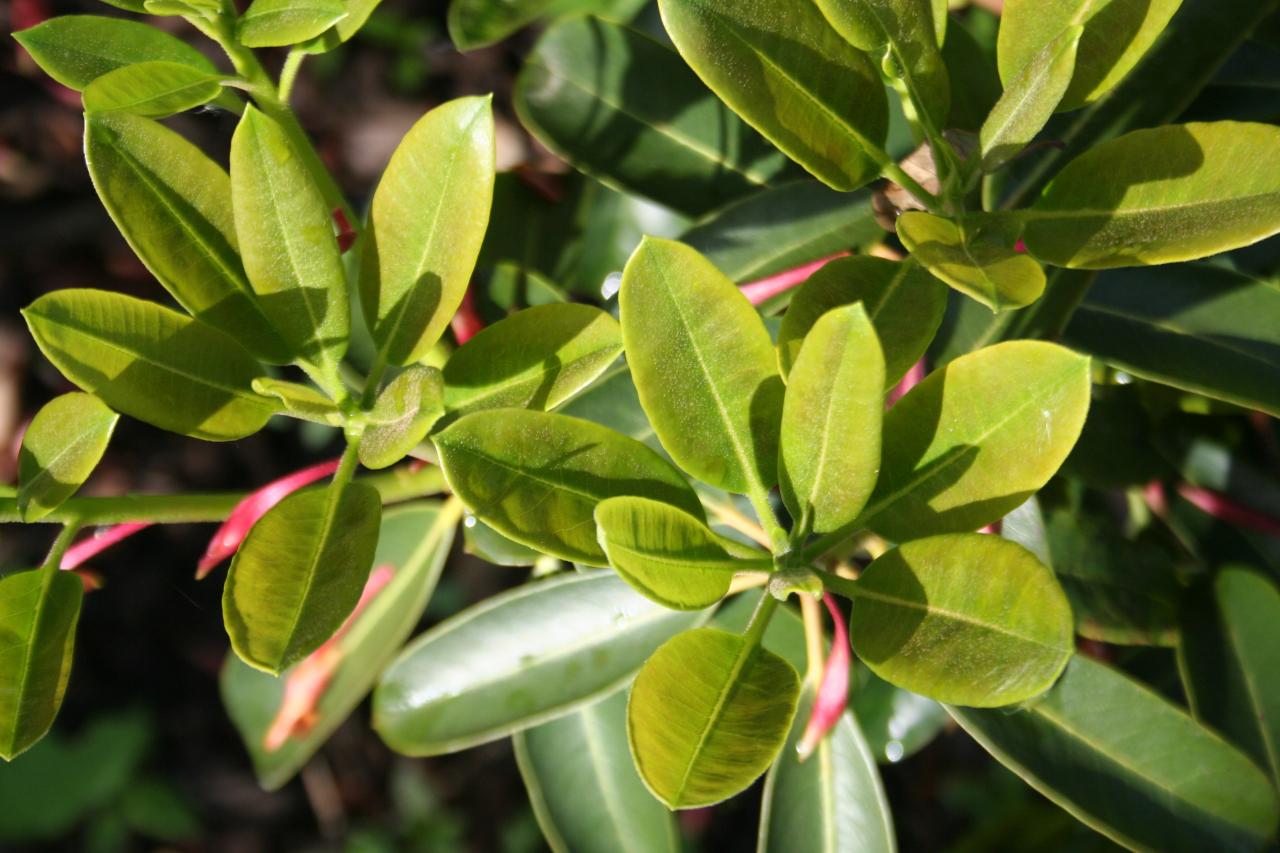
(38, 614)
(784, 636)
(173, 206)
(628, 110)
(156, 89)
(587, 751)
(402, 416)
(517, 660)
(977, 438)
(150, 363)
(287, 240)
(537, 477)
(715, 406)
(425, 227)
(60, 449)
(1116, 755)
(831, 801)
(537, 358)
(358, 14)
(77, 49)
(300, 401)
(780, 65)
(668, 555)
(415, 541)
(1159, 196)
(1029, 100)
(968, 618)
(1228, 656)
(481, 540)
(1117, 33)
(299, 574)
(830, 438)
(708, 714)
(905, 304)
(279, 23)
(975, 256)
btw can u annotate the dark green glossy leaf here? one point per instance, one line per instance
(152, 89)
(1030, 98)
(517, 660)
(300, 401)
(489, 545)
(402, 416)
(971, 66)
(895, 722)
(279, 23)
(60, 448)
(299, 574)
(151, 363)
(1116, 755)
(975, 257)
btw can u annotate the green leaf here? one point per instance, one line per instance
(60, 449)
(537, 358)
(977, 438)
(905, 304)
(77, 49)
(38, 614)
(478, 23)
(587, 751)
(150, 363)
(1228, 657)
(971, 66)
(895, 722)
(481, 540)
(358, 14)
(432, 205)
(832, 801)
(784, 636)
(903, 32)
(517, 660)
(300, 401)
(1158, 196)
(152, 89)
(1199, 328)
(1116, 756)
(708, 714)
(537, 477)
(1117, 33)
(780, 65)
(1029, 100)
(279, 23)
(415, 540)
(975, 256)
(286, 235)
(715, 408)
(173, 206)
(299, 574)
(668, 555)
(627, 110)
(402, 416)
(830, 439)
(968, 618)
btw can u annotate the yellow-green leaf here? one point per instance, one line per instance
(975, 256)
(155, 89)
(1029, 100)
(404, 413)
(279, 23)
(60, 449)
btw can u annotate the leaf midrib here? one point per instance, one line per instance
(528, 376)
(934, 610)
(745, 652)
(613, 803)
(83, 438)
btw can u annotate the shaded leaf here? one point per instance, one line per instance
(60, 448)
(300, 401)
(477, 23)
(895, 722)
(489, 545)
(404, 413)
(1029, 100)
(152, 89)
(974, 256)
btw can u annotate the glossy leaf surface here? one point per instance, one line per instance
(77, 49)
(402, 416)
(896, 723)
(60, 448)
(278, 23)
(974, 258)
(152, 89)
(1029, 100)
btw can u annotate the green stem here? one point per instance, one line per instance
(374, 380)
(53, 562)
(760, 620)
(840, 586)
(764, 511)
(826, 542)
(350, 461)
(895, 173)
(289, 73)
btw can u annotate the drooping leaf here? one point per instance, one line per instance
(627, 110)
(704, 366)
(976, 438)
(404, 413)
(1158, 196)
(60, 448)
(708, 714)
(519, 659)
(537, 358)
(151, 363)
(415, 540)
(426, 225)
(537, 477)
(299, 573)
(77, 49)
(780, 65)
(896, 723)
(905, 304)
(967, 618)
(38, 614)
(975, 256)
(156, 89)
(1116, 755)
(1228, 657)
(1029, 99)
(829, 451)
(668, 555)
(831, 801)
(173, 206)
(285, 230)
(587, 751)
(300, 401)
(1117, 33)
(279, 23)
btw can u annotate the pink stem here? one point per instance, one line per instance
(346, 235)
(833, 691)
(102, 539)
(760, 291)
(1223, 508)
(913, 378)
